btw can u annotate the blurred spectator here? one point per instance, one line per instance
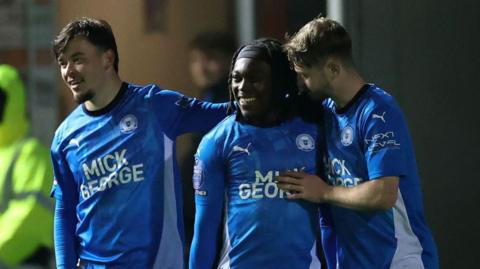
(26, 212)
(210, 56)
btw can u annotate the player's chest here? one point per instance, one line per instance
(259, 158)
(343, 159)
(342, 135)
(105, 146)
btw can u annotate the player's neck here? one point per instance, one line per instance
(270, 119)
(105, 94)
(346, 89)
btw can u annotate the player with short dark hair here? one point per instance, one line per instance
(236, 164)
(373, 184)
(116, 185)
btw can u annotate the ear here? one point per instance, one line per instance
(108, 59)
(332, 68)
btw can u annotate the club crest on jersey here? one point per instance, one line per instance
(128, 123)
(305, 142)
(347, 136)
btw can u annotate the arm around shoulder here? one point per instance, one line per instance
(377, 194)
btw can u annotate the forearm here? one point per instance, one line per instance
(204, 244)
(64, 235)
(379, 194)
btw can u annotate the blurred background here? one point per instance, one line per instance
(425, 53)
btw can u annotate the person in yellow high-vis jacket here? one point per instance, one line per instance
(26, 212)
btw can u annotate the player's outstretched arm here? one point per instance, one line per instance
(378, 194)
(180, 114)
(202, 116)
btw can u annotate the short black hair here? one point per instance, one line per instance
(97, 32)
(214, 42)
(284, 78)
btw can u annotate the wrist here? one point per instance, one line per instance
(327, 195)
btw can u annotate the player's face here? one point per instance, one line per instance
(83, 68)
(252, 89)
(206, 70)
(315, 79)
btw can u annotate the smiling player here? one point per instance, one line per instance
(237, 162)
(116, 186)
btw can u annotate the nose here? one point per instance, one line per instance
(243, 86)
(306, 82)
(67, 71)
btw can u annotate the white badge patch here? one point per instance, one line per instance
(197, 174)
(128, 123)
(347, 136)
(198, 177)
(305, 142)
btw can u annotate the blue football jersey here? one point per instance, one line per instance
(234, 174)
(118, 167)
(366, 140)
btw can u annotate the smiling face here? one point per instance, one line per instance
(83, 68)
(252, 90)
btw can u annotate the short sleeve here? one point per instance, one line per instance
(385, 136)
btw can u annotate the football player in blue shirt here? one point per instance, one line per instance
(236, 164)
(373, 184)
(116, 185)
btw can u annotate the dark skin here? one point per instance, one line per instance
(252, 90)
(251, 86)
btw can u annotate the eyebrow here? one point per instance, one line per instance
(76, 54)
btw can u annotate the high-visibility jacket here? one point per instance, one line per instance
(26, 212)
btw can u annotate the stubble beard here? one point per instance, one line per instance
(83, 97)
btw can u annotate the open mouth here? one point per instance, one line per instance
(243, 101)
